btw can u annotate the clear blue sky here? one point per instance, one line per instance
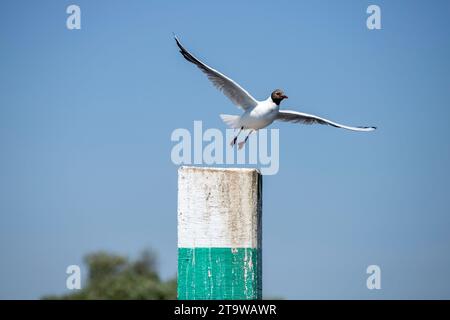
(86, 118)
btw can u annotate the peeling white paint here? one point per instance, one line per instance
(219, 207)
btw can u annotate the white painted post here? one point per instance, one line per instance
(219, 233)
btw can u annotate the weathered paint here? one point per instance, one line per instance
(218, 207)
(219, 273)
(219, 233)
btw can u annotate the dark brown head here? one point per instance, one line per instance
(278, 96)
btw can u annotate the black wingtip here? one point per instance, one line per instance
(182, 49)
(374, 128)
(176, 39)
(185, 53)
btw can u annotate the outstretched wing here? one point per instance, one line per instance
(300, 117)
(231, 89)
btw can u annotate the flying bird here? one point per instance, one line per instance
(257, 114)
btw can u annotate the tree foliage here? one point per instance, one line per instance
(113, 276)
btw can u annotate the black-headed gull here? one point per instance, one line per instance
(257, 114)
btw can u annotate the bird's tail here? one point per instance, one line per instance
(231, 121)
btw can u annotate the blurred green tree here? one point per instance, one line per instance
(112, 276)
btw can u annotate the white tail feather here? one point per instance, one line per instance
(231, 121)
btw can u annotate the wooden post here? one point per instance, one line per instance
(219, 233)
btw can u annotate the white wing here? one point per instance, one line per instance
(299, 117)
(231, 89)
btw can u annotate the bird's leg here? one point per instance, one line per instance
(241, 144)
(233, 142)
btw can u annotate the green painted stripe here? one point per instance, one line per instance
(219, 273)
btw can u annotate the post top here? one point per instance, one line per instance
(219, 207)
(219, 169)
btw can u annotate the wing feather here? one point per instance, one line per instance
(305, 118)
(230, 88)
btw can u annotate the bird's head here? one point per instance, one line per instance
(278, 96)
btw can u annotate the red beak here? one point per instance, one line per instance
(284, 97)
